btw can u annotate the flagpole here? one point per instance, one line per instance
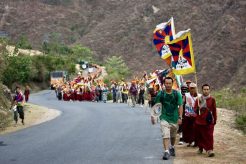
(197, 89)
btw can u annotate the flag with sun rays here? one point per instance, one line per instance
(163, 34)
(182, 59)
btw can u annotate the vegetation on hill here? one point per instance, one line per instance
(116, 68)
(125, 28)
(23, 43)
(26, 69)
(5, 115)
(233, 100)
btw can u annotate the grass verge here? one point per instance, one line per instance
(233, 100)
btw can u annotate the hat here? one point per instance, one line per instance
(192, 85)
(142, 82)
(188, 81)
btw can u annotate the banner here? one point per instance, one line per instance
(182, 59)
(163, 34)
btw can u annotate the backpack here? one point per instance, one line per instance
(174, 92)
(210, 117)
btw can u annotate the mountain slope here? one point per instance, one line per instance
(124, 27)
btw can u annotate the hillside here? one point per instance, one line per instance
(124, 27)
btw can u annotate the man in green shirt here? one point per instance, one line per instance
(171, 115)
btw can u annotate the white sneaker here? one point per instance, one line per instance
(181, 142)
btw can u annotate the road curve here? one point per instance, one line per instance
(85, 133)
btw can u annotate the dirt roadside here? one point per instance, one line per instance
(34, 115)
(229, 144)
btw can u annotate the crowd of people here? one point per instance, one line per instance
(188, 113)
(88, 89)
(184, 111)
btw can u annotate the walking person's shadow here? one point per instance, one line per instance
(2, 143)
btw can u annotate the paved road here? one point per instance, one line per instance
(86, 132)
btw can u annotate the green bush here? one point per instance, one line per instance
(56, 48)
(55, 45)
(5, 120)
(243, 90)
(5, 116)
(82, 53)
(241, 122)
(236, 101)
(3, 57)
(110, 96)
(26, 69)
(18, 70)
(106, 81)
(116, 68)
(23, 43)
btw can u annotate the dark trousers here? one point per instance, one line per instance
(141, 99)
(59, 95)
(114, 97)
(152, 102)
(20, 112)
(26, 97)
(124, 98)
(100, 96)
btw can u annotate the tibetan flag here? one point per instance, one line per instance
(162, 74)
(179, 80)
(183, 61)
(163, 34)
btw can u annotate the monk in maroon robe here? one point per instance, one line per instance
(27, 93)
(66, 96)
(205, 121)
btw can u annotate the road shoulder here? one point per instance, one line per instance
(229, 144)
(34, 115)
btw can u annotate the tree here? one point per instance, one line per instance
(3, 57)
(23, 43)
(55, 46)
(82, 53)
(18, 70)
(116, 68)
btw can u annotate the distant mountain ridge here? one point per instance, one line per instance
(125, 28)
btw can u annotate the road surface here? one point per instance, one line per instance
(85, 133)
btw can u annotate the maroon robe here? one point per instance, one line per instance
(204, 131)
(72, 96)
(87, 96)
(79, 96)
(66, 97)
(27, 93)
(188, 125)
